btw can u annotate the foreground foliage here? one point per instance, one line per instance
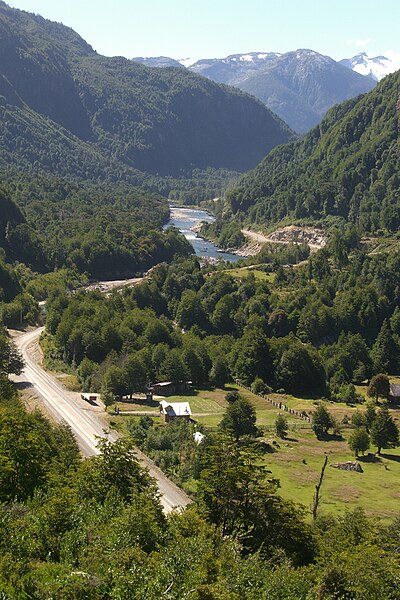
(95, 530)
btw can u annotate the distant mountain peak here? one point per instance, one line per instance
(157, 61)
(375, 67)
(299, 86)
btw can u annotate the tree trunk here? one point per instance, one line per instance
(316, 498)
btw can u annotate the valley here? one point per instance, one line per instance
(200, 306)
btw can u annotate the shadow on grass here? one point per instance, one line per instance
(132, 403)
(330, 437)
(193, 392)
(393, 457)
(370, 458)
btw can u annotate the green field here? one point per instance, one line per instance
(298, 460)
(258, 274)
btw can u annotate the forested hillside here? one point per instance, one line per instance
(347, 167)
(101, 230)
(316, 329)
(68, 110)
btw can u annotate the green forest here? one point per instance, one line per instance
(346, 169)
(69, 111)
(317, 329)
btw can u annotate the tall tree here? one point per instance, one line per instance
(321, 420)
(253, 357)
(359, 440)
(385, 351)
(240, 418)
(379, 387)
(236, 495)
(384, 431)
(11, 360)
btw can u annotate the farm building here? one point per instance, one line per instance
(169, 388)
(174, 410)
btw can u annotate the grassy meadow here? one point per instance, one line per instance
(298, 459)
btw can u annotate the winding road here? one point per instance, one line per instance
(87, 421)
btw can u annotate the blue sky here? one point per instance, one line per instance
(217, 28)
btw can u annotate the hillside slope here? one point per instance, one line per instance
(113, 113)
(348, 167)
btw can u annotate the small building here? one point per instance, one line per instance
(169, 388)
(394, 394)
(175, 410)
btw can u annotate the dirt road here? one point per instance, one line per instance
(86, 421)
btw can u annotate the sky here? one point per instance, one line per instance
(216, 28)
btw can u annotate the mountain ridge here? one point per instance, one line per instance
(299, 86)
(165, 122)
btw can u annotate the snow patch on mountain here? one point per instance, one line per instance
(375, 67)
(187, 62)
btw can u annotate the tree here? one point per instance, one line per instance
(370, 415)
(116, 467)
(219, 373)
(10, 359)
(190, 311)
(379, 387)
(253, 357)
(385, 351)
(358, 419)
(114, 381)
(236, 495)
(240, 419)
(281, 426)
(173, 368)
(321, 420)
(258, 386)
(300, 369)
(384, 431)
(135, 374)
(359, 441)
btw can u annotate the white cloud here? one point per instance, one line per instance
(359, 42)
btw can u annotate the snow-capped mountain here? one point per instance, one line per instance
(375, 67)
(298, 86)
(233, 68)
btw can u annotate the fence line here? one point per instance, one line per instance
(280, 405)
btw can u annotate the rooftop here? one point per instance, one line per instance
(175, 409)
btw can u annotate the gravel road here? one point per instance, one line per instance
(86, 421)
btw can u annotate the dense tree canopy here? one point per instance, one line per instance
(346, 168)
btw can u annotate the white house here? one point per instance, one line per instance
(173, 410)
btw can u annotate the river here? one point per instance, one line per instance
(187, 220)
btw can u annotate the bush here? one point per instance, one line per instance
(258, 386)
(281, 426)
(232, 396)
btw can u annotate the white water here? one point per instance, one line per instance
(188, 219)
